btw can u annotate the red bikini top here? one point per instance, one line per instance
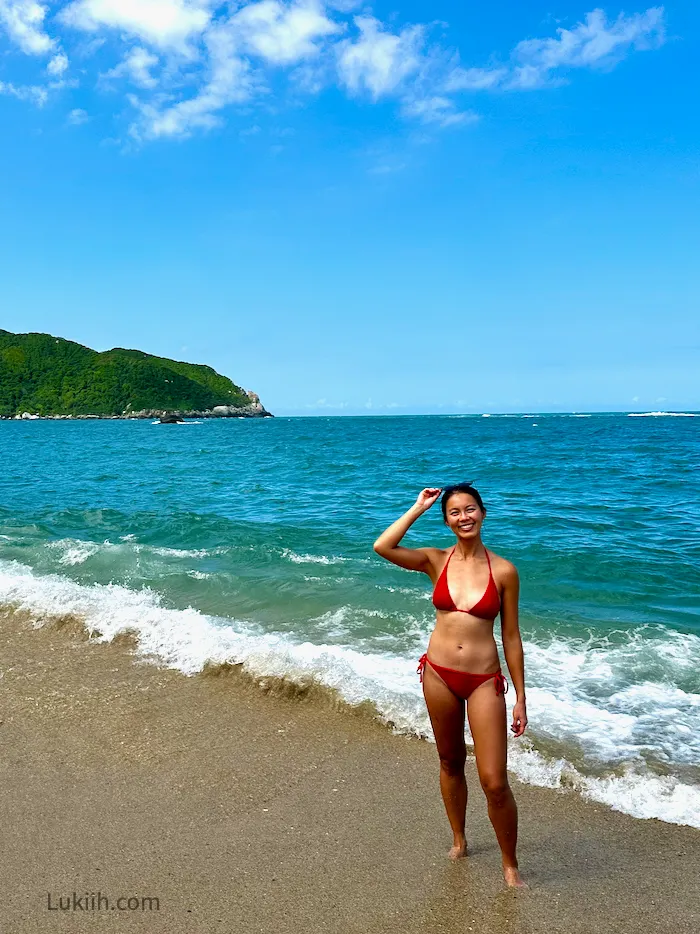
(487, 608)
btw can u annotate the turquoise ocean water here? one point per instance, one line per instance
(251, 540)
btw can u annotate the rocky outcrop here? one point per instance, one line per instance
(254, 409)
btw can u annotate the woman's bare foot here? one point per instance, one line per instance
(513, 878)
(458, 850)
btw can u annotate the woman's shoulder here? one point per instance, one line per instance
(436, 556)
(506, 569)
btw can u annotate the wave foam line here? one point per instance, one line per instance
(74, 551)
(187, 640)
(663, 414)
(311, 559)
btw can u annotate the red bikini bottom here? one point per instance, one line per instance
(462, 683)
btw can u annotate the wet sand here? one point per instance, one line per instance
(245, 809)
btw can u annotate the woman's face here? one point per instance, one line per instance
(464, 516)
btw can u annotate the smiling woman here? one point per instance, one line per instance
(473, 671)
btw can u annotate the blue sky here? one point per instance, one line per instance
(361, 209)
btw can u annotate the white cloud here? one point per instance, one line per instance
(77, 117)
(475, 79)
(281, 33)
(36, 95)
(379, 61)
(440, 110)
(594, 43)
(136, 66)
(164, 23)
(229, 81)
(24, 22)
(385, 63)
(58, 65)
(192, 59)
(324, 404)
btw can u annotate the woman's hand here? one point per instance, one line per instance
(519, 718)
(427, 497)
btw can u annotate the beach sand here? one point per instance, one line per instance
(243, 809)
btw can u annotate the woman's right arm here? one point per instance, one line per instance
(387, 545)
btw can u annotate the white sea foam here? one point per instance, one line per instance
(76, 551)
(179, 552)
(583, 693)
(73, 551)
(311, 559)
(662, 414)
(416, 594)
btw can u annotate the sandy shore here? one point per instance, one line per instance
(244, 810)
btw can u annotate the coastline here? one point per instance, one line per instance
(254, 410)
(244, 809)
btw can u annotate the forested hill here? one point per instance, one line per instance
(48, 375)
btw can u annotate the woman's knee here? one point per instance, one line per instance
(496, 789)
(453, 762)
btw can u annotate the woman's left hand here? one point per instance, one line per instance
(519, 718)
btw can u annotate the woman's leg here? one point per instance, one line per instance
(487, 721)
(446, 712)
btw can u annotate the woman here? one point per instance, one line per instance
(462, 664)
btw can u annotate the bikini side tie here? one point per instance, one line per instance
(501, 683)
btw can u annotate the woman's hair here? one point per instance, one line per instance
(460, 488)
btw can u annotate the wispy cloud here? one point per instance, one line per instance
(24, 22)
(33, 93)
(593, 43)
(438, 109)
(184, 65)
(78, 116)
(136, 67)
(378, 61)
(283, 34)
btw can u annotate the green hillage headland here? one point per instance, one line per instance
(47, 375)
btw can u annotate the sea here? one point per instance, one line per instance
(250, 541)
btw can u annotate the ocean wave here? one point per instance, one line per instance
(640, 794)
(76, 551)
(609, 703)
(73, 551)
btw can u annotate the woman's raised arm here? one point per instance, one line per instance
(387, 545)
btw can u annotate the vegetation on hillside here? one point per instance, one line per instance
(48, 375)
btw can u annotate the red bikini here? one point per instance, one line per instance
(487, 608)
(462, 683)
